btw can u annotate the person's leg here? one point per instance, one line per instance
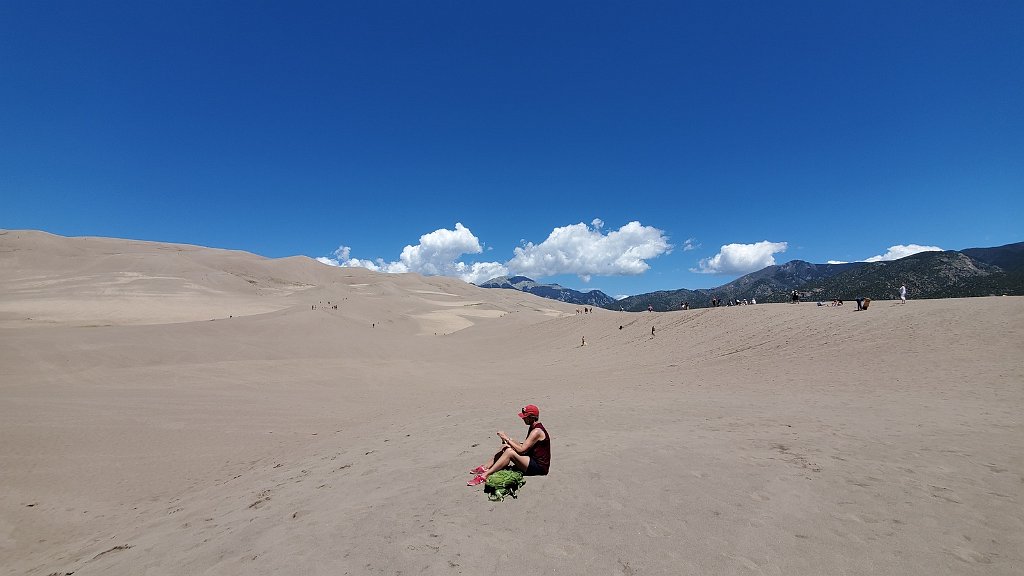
(490, 462)
(508, 456)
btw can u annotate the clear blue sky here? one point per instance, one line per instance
(834, 130)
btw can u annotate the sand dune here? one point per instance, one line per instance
(169, 409)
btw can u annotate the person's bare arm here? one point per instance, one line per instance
(536, 435)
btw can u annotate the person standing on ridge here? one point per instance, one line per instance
(903, 293)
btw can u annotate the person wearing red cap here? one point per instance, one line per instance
(532, 456)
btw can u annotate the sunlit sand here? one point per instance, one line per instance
(171, 409)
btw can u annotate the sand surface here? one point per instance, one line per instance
(170, 409)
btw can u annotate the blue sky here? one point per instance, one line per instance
(627, 147)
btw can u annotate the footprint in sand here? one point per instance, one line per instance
(114, 549)
(746, 562)
(262, 499)
(970, 556)
(656, 531)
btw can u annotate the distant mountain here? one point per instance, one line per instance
(949, 274)
(663, 300)
(1009, 258)
(771, 284)
(776, 283)
(552, 291)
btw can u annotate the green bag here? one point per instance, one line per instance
(503, 483)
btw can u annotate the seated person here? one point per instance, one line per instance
(532, 457)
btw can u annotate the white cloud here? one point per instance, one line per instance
(902, 251)
(587, 251)
(435, 255)
(690, 244)
(837, 262)
(741, 258)
(574, 249)
(437, 251)
(479, 271)
(340, 255)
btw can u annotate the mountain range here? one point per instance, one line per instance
(942, 274)
(552, 291)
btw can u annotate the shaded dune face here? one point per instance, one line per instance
(175, 409)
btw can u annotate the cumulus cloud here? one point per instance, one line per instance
(340, 255)
(690, 244)
(574, 249)
(435, 255)
(587, 251)
(837, 262)
(741, 258)
(902, 251)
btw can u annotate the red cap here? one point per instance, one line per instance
(530, 410)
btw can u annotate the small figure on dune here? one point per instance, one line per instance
(532, 456)
(650, 308)
(652, 331)
(903, 293)
(584, 342)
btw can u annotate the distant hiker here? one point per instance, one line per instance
(652, 331)
(532, 457)
(795, 297)
(903, 293)
(650, 308)
(584, 341)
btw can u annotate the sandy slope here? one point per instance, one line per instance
(182, 410)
